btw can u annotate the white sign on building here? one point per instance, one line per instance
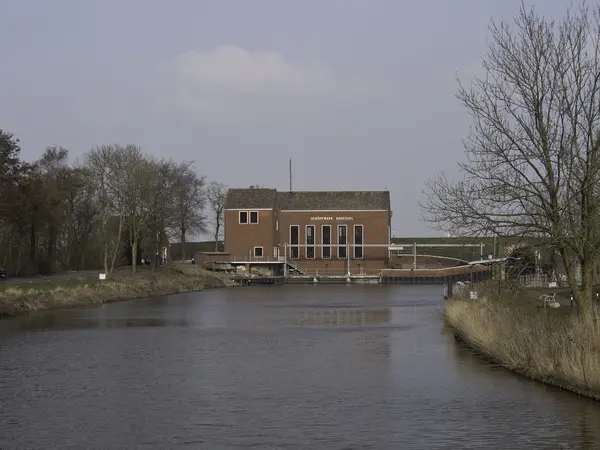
(319, 218)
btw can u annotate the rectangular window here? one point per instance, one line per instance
(258, 252)
(243, 217)
(253, 216)
(326, 241)
(310, 241)
(358, 241)
(342, 241)
(294, 241)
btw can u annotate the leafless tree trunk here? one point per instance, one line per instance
(216, 196)
(100, 167)
(532, 165)
(182, 240)
(138, 180)
(165, 209)
(189, 200)
(116, 244)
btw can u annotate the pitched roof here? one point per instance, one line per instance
(334, 200)
(250, 198)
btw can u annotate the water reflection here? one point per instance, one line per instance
(345, 316)
(589, 432)
(130, 322)
(71, 321)
(375, 345)
(292, 367)
(575, 426)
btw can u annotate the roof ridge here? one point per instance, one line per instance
(334, 190)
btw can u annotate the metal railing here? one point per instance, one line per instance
(250, 258)
(343, 272)
(535, 280)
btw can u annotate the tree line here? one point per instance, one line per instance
(113, 206)
(532, 158)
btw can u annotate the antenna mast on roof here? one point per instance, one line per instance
(290, 174)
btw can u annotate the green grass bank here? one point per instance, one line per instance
(18, 299)
(552, 346)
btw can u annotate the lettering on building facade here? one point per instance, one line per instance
(331, 218)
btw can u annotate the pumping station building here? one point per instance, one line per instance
(328, 232)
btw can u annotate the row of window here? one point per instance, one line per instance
(326, 241)
(248, 217)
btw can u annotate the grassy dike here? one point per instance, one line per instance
(553, 346)
(53, 294)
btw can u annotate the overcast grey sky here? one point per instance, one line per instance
(359, 93)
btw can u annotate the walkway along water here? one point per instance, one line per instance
(294, 366)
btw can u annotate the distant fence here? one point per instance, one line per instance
(535, 280)
(353, 271)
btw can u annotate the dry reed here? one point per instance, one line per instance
(551, 346)
(18, 299)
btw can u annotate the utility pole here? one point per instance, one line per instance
(285, 265)
(290, 174)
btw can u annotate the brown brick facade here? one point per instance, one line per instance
(285, 229)
(242, 239)
(375, 230)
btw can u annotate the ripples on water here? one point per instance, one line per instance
(299, 367)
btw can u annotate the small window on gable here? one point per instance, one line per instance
(258, 252)
(253, 216)
(243, 216)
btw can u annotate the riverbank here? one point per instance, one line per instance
(547, 345)
(23, 299)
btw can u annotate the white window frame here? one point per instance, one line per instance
(240, 218)
(345, 245)
(362, 246)
(290, 241)
(323, 245)
(314, 246)
(250, 217)
(262, 252)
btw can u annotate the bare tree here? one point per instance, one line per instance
(137, 177)
(188, 202)
(60, 181)
(216, 195)
(82, 221)
(77, 216)
(162, 186)
(532, 158)
(101, 168)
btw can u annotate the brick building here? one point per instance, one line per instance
(332, 231)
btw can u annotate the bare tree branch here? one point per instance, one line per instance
(216, 196)
(532, 166)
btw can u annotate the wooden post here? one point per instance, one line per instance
(348, 251)
(414, 255)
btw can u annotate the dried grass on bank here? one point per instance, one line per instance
(19, 299)
(543, 344)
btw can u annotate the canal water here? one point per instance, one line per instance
(277, 367)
